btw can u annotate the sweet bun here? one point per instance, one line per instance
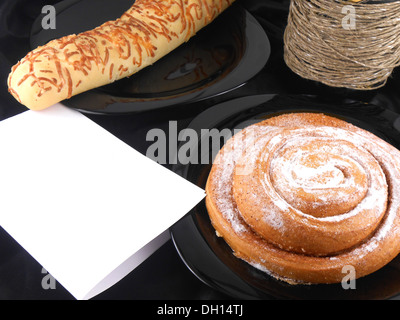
(304, 195)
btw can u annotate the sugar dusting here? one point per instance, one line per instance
(249, 144)
(225, 165)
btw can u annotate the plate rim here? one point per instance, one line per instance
(258, 48)
(190, 217)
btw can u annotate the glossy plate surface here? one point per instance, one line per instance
(209, 257)
(220, 58)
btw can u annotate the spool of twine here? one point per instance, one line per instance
(325, 44)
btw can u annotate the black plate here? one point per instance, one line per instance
(220, 58)
(209, 257)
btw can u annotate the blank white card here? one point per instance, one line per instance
(83, 203)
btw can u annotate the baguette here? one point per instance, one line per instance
(146, 32)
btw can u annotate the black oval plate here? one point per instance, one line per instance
(210, 258)
(219, 59)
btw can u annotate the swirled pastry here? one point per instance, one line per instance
(149, 30)
(303, 195)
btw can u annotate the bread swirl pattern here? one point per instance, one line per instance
(149, 30)
(301, 196)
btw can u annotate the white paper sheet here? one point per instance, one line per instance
(83, 203)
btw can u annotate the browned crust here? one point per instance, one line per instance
(367, 255)
(149, 30)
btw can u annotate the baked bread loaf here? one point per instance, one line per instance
(303, 195)
(149, 30)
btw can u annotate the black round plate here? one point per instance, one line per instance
(219, 59)
(210, 258)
